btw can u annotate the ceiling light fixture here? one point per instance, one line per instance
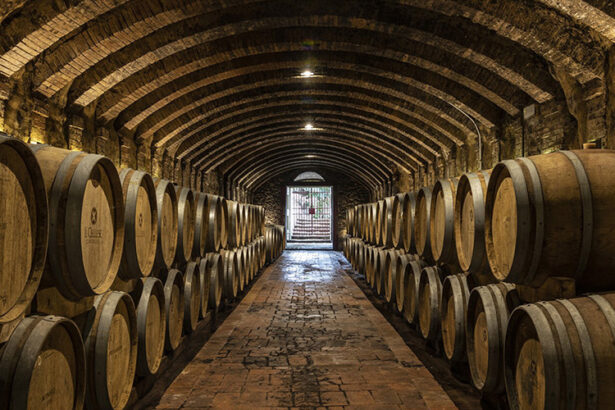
(307, 74)
(310, 156)
(308, 127)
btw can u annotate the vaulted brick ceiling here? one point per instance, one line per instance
(398, 84)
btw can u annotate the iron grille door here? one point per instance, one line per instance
(309, 214)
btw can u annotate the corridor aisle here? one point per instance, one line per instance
(305, 335)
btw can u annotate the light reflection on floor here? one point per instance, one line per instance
(308, 266)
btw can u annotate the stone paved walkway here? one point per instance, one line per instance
(305, 336)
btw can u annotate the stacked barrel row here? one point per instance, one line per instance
(101, 273)
(488, 266)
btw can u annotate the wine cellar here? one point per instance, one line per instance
(274, 204)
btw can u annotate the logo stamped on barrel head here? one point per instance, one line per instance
(92, 234)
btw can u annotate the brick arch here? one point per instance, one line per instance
(288, 156)
(270, 152)
(366, 129)
(319, 167)
(338, 134)
(88, 88)
(251, 113)
(385, 108)
(292, 164)
(467, 96)
(173, 125)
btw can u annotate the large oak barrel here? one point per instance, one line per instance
(412, 278)
(430, 293)
(241, 220)
(470, 226)
(151, 325)
(386, 224)
(216, 226)
(86, 216)
(215, 266)
(379, 216)
(402, 274)
(453, 307)
(407, 225)
(24, 222)
(442, 221)
(559, 355)
(166, 201)
(393, 256)
(185, 225)
(192, 297)
(233, 224)
(552, 215)
(372, 211)
(230, 277)
(174, 309)
(350, 221)
(224, 220)
(488, 310)
(205, 282)
(241, 267)
(397, 219)
(201, 225)
(140, 224)
(422, 218)
(263, 251)
(42, 366)
(379, 269)
(110, 336)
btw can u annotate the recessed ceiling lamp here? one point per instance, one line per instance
(308, 127)
(310, 156)
(307, 74)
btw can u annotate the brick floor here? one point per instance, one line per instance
(305, 336)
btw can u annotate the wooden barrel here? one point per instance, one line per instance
(201, 225)
(390, 276)
(253, 252)
(402, 275)
(411, 277)
(42, 366)
(361, 257)
(192, 297)
(454, 304)
(372, 214)
(111, 340)
(262, 252)
(185, 225)
(380, 261)
(551, 215)
(233, 224)
(224, 219)
(380, 212)
(230, 277)
(166, 203)
(442, 221)
(215, 225)
(488, 310)
(205, 282)
(386, 224)
(215, 266)
(241, 267)
(559, 355)
(371, 264)
(86, 221)
(398, 262)
(241, 220)
(430, 293)
(151, 325)
(470, 226)
(24, 222)
(397, 218)
(407, 226)
(140, 224)
(350, 222)
(422, 218)
(174, 309)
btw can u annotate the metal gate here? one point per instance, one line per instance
(308, 214)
